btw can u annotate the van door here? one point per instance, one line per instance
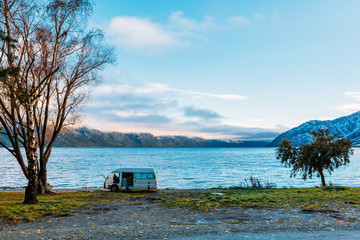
(141, 181)
(151, 181)
(127, 180)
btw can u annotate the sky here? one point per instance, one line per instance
(225, 68)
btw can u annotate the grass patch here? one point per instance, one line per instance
(265, 197)
(61, 204)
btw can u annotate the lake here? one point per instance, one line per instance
(176, 167)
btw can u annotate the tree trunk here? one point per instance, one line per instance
(323, 183)
(42, 181)
(31, 189)
(42, 174)
(42, 186)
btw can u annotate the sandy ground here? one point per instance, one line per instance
(144, 218)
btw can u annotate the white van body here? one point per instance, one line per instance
(131, 179)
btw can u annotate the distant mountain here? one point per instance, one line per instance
(85, 137)
(346, 127)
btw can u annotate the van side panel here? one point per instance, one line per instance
(141, 181)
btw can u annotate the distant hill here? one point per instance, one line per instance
(85, 137)
(346, 127)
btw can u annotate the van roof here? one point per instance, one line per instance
(134, 170)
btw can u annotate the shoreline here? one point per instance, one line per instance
(22, 189)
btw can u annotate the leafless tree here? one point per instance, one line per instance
(48, 61)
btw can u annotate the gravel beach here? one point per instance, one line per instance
(146, 218)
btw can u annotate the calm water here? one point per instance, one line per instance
(176, 167)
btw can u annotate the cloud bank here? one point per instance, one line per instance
(204, 114)
(350, 108)
(177, 32)
(159, 109)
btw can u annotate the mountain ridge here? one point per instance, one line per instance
(85, 137)
(345, 127)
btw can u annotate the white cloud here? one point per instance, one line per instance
(126, 88)
(131, 113)
(145, 36)
(239, 21)
(349, 108)
(178, 20)
(219, 96)
(157, 88)
(355, 95)
(259, 17)
(138, 33)
(274, 16)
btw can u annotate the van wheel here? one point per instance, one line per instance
(114, 188)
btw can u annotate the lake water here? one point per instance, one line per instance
(176, 167)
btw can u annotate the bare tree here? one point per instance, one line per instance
(49, 59)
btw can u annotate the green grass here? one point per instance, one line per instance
(12, 208)
(273, 197)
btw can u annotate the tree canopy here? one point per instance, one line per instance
(325, 152)
(48, 60)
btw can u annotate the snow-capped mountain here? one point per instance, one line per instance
(85, 137)
(346, 127)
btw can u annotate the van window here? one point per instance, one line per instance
(116, 177)
(140, 175)
(151, 176)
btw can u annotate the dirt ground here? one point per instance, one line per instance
(146, 218)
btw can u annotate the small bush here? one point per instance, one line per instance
(253, 182)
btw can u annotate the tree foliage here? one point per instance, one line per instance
(325, 152)
(48, 61)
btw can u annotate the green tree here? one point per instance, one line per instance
(324, 153)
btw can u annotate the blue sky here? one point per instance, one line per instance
(226, 68)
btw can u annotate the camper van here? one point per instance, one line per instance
(131, 179)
